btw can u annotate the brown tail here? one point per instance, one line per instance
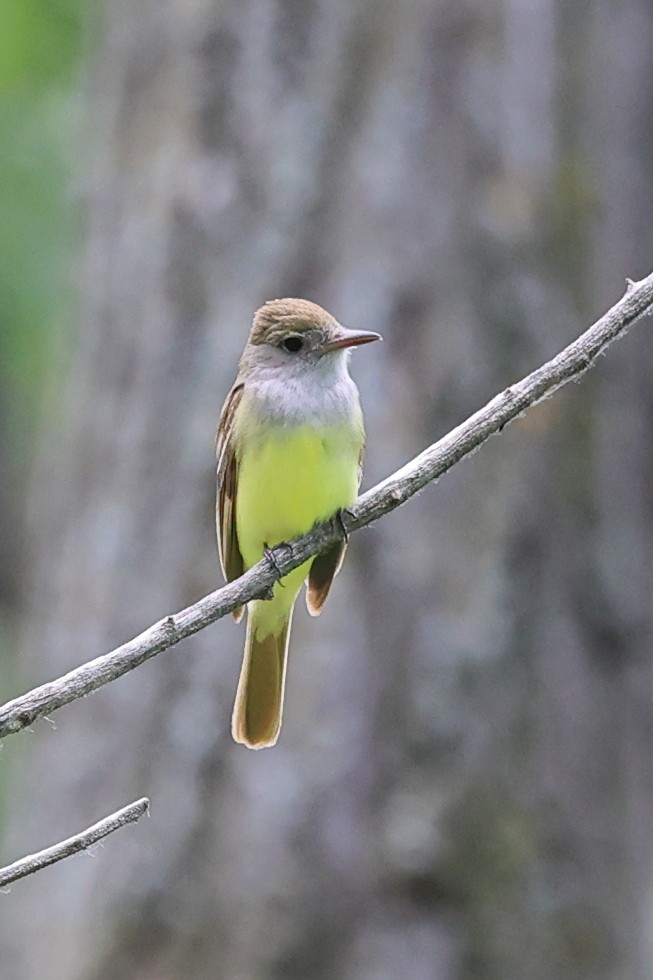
(259, 700)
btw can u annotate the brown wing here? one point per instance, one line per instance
(323, 571)
(231, 559)
(326, 566)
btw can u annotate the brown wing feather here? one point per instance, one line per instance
(327, 565)
(323, 571)
(231, 559)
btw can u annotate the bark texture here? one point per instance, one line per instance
(462, 787)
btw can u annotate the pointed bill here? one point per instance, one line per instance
(350, 338)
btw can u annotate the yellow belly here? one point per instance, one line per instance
(291, 480)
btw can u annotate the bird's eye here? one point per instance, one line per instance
(292, 344)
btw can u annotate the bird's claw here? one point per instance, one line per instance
(340, 522)
(269, 555)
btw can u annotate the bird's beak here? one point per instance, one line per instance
(350, 338)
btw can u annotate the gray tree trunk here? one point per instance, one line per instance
(463, 785)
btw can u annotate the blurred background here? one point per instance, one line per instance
(463, 787)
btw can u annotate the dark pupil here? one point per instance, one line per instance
(293, 344)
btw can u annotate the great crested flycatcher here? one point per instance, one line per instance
(289, 445)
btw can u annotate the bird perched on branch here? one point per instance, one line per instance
(289, 445)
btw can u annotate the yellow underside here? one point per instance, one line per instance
(288, 482)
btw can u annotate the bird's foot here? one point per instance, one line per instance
(269, 555)
(340, 522)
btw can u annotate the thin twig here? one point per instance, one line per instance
(380, 500)
(80, 842)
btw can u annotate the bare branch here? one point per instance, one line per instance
(385, 497)
(73, 845)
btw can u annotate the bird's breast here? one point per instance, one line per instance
(291, 477)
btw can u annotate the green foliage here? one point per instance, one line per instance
(39, 42)
(39, 58)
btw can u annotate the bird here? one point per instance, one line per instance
(289, 448)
